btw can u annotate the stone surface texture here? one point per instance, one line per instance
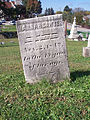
(86, 50)
(43, 48)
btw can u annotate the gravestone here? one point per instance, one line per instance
(73, 33)
(43, 48)
(86, 50)
(2, 43)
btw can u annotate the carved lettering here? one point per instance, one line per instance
(43, 48)
(35, 26)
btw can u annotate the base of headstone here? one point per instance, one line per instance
(84, 39)
(86, 51)
(33, 81)
(76, 40)
(72, 39)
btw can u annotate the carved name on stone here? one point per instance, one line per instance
(43, 48)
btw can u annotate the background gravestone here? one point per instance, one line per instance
(73, 33)
(86, 50)
(43, 48)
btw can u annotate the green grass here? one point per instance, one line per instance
(67, 100)
(9, 28)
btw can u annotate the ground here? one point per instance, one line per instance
(9, 28)
(67, 100)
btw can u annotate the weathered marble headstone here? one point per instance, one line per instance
(86, 50)
(43, 48)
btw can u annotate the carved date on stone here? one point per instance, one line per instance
(43, 48)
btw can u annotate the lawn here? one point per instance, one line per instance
(67, 100)
(9, 28)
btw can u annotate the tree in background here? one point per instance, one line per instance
(67, 9)
(38, 8)
(33, 7)
(58, 12)
(86, 13)
(24, 2)
(49, 11)
(6, 12)
(79, 17)
(67, 14)
(10, 13)
(79, 13)
(2, 9)
(21, 11)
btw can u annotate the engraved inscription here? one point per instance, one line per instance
(40, 25)
(43, 48)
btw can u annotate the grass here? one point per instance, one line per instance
(9, 28)
(67, 100)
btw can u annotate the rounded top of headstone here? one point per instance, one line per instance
(39, 19)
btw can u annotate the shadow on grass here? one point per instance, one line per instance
(78, 74)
